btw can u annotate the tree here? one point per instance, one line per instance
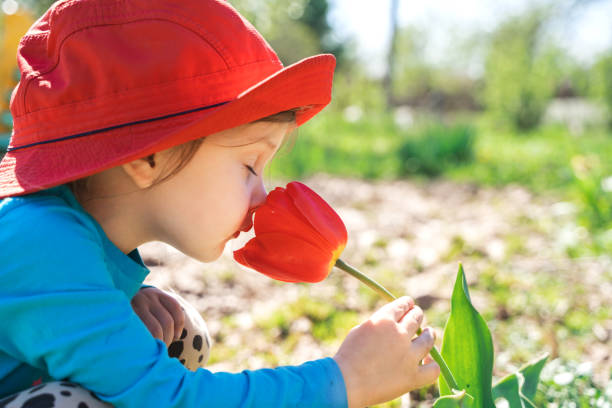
(295, 29)
(601, 81)
(520, 70)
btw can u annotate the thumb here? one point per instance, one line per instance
(394, 310)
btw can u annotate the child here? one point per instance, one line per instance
(141, 120)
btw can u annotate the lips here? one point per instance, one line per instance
(245, 228)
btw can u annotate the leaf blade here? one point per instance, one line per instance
(467, 347)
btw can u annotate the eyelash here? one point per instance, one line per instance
(250, 169)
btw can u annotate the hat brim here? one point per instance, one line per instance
(305, 85)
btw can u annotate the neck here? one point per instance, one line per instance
(119, 210)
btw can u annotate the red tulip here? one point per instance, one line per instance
(298, 236)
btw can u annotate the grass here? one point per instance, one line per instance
(527, 313)
(471, 151)
(549, 160)
(553, 310)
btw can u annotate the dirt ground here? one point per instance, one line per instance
(411, 237)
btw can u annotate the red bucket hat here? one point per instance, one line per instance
(104, 82)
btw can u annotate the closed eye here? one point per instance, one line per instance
(250, 169)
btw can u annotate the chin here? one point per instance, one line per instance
(211, 255)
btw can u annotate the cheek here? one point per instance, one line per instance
(224, 212)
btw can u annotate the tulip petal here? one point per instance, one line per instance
(279, 215)
(285, 258)
(319, 214)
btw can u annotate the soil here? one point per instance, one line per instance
(411, 236)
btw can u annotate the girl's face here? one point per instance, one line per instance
(210, 200)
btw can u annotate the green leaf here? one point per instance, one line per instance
(531, 372)
(467, 347)
(459, 399)
(519, 389)
(508, 389)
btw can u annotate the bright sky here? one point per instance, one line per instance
(586, 33)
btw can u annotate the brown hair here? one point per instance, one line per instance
(183, 153)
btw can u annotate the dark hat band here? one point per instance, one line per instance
(93, 132)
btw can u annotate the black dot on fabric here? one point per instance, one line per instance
(6, 401)
(184, 334)
(83, 405)
(182, 361)
(66, 393)
(200, 358)
(197, 342)
(40, 401)
(33, 390)
(175, 349)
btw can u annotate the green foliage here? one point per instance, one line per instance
(541, 161)
(295, 29)
(37, 6)
(601, 81)
(520, 73)
(457, 400)
(594, 195)
(571, 385)
(439, 87)
(334, 145)
(467, 347)
(435, 148)
(519, 389)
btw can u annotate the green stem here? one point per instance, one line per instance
(378, 288)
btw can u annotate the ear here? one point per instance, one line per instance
(143, 172)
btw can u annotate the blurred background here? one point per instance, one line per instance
(475, 131)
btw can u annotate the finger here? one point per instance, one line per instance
(165, 320)
(176, 311)
(152, 324)
(395, 310)
(428, 373)
(423, 344)
(412, 320)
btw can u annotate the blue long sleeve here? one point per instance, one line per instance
(65, 295)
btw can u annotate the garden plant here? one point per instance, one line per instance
(299, 238)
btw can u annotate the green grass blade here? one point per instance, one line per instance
(467, 347)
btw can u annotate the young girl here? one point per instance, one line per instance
(141, 120)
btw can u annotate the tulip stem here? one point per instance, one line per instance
(378, 288)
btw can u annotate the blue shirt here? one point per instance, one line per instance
(65, 314)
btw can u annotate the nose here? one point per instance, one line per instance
(258, 197)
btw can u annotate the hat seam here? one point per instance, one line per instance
(114, 127)
(57, 10)
(56, 63)
(158, 14)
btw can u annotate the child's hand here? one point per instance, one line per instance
(160, 312)
(380, 360)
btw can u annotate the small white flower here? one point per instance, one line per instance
(606, 184)
(352, 113)
(563, 378)
(585, 368)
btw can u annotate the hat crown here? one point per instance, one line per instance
(131, 60)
